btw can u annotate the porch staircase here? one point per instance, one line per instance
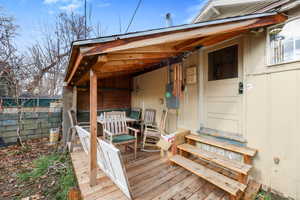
(227, 174)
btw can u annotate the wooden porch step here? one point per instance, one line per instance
(237, 149)
(231, 186)
(216, 158)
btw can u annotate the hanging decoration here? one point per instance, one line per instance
(177, 79)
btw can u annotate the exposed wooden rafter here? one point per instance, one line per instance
(77, 63)
(207, 41)
(138, 56)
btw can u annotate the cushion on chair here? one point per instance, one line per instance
(122, 138)
(135, 115)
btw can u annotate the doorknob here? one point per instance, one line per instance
(241, 87)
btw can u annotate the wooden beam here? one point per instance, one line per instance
(77, 63)
(207, 41)
(74, 101)
(138, 56)
(115, 68)
(84, 78)
(115, 74)
(121, 63)
(166, 48)
(93, 128)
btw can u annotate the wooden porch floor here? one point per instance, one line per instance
(150, 177)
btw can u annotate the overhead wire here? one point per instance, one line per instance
(134, 13)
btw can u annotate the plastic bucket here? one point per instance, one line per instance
(54, 135)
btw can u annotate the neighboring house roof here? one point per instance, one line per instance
(219, 9)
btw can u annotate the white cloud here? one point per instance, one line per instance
(194, 10)
(71, 7)
(50, 1)
(102, 5)
(51, 12)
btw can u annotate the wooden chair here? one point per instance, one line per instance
(72, 131)
(135, 113)
(152, 133)
(149, 118)
(116, 131)
(114, 114)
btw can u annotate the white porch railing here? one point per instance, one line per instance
(108, 159)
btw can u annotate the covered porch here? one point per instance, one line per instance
(100, 75)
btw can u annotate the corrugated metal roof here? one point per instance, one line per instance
(169, 29)
(177, 39)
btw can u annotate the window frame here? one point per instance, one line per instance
(268, 46)
(236, 51)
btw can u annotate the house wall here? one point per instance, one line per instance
(149, 92)
(273, 116)
(271, 110)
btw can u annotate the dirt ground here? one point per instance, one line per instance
(36, 171)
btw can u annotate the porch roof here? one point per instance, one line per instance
(140, 52)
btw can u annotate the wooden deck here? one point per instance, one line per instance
(150, 177)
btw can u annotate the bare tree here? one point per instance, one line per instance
(48, 58)
(11, 64)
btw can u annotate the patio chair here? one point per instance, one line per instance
(153, 133)
(72, 131)
(116, 131)
(149, 118)
(135, 113)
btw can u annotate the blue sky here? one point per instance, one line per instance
(32, 15)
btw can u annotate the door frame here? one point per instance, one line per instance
(203, 63)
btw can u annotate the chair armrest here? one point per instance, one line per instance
(152, 129)
(133, 129)
(108, 132)
(151, 126)
(83, 123)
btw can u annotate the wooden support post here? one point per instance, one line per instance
(93, 128)
(74, 99)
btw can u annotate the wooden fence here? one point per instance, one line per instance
(33, 120)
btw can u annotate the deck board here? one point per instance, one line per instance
(150, 177)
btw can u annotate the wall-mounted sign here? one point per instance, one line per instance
(191, 75)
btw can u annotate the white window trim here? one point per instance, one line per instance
(268, 51)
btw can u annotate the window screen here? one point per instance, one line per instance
(223, 64)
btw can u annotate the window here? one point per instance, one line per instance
(284, 42)
(223, 64)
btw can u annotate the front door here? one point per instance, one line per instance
(222, 89)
